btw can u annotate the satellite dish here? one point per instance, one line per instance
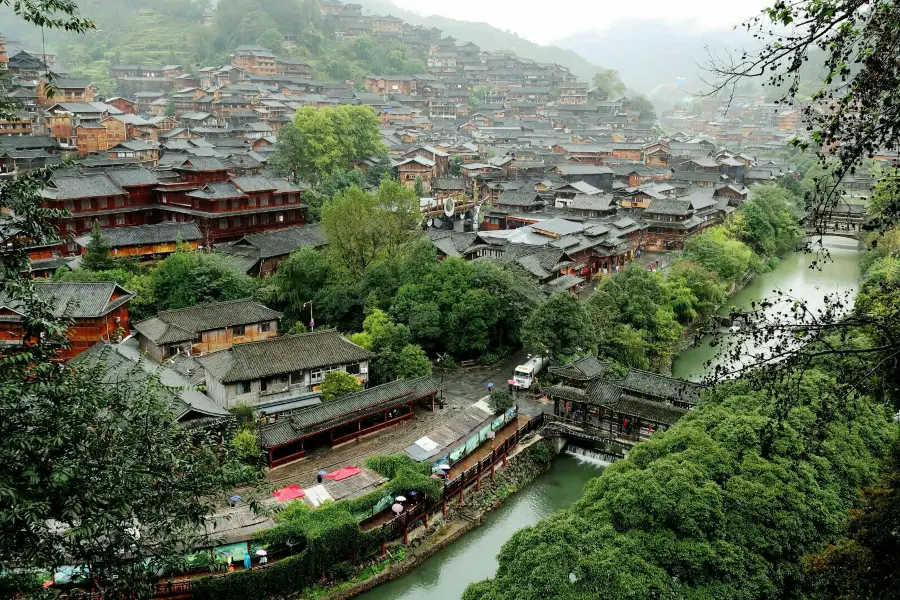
(449, 206)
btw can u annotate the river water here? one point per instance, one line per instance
(472, 558)
(793, 274)
(446, 575)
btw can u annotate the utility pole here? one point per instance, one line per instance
(312, 321)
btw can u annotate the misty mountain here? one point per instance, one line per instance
(650, 53)
(488, 37)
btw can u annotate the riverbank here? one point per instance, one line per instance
(529, 461)
(793, 274)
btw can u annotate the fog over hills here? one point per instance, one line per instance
(650, 53)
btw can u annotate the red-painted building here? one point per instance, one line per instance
(223, 205)
(99, 311)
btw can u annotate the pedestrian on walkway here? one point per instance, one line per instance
(246, 560)
(490, 388)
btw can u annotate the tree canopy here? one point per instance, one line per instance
(320, 140)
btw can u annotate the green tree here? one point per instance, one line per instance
(705, 509)
(631, 313)
(189, 278)
(362, 227)
(560, 329)
(271, 39)
(500, 400)
(419, 188)
(96, 474)
(97, 257)
(715, 250)
(412, 362)
(609, 80)
(339, 383)
(643, 105)
(299, 280)
(324, 139)
(455, 165)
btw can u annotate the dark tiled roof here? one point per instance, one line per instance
(281, 355)
(522, 198)
(78, 300)
(645, 382)
(141, 235)
(582, 369)
(188, 404)
(83, 186)
(204, 317)
(132, 177)
(449, 183)
(665, 206)
(275, 243)
(695, 176)
(348, 408)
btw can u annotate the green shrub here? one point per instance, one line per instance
(389, 466)
(246, 444)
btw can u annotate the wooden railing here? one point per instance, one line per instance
(393, 529)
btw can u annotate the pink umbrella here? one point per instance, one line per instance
(397, 508)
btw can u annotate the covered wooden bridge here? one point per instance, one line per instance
(630, 408)
(345, 419)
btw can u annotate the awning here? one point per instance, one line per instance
(290, 492)
(343, 473)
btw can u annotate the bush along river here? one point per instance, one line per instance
(792, 275)
(473, 557)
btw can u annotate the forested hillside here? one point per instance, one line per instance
(489, 37)
(172, 32)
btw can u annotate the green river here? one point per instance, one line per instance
(446, 575)
(472, 558)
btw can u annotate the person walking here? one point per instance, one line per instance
(247, 560)
(490, 388)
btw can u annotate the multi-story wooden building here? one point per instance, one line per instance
(198, 330)
(256, 372)
(226, 207)
(254, 59)
(99, 311)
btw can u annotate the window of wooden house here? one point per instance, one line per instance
(252, 219)
(265, 327)
(264, 219)
(239, 330)
(279, 218)
(86, 204)
(264, 200)
(246, 387)
(223, 223)
(101, 203)
(263, 385)
(103, 221)
(236, 222)
(252, 201)
(353, 369)
(120, 219)
(120, 201)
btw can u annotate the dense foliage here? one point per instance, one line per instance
(705, 509)
(362, 228)
(181, 280)
(339, 383)
(320, 140)
(395, 357)
(559, 328)
(93, 474)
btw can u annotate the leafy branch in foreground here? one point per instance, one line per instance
(856, 110)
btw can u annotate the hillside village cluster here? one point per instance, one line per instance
(566, 180)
